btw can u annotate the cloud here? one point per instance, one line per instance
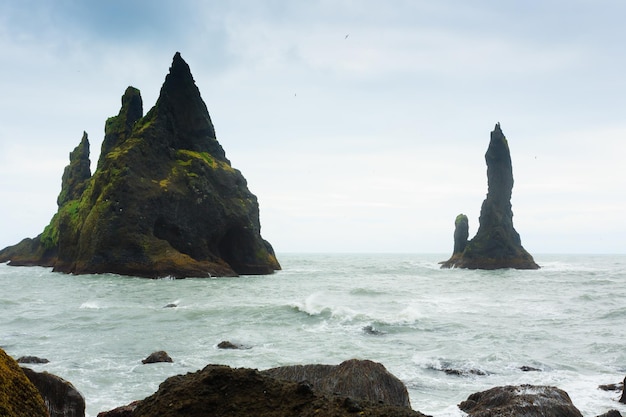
(373, 142)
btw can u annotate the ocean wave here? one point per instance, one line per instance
(91, 305)
(324, 307)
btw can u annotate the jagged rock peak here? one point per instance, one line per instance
(496, 244)
(118, 128)
(76, 174)
(499, 168)
(163, 201)
(185, 114)
(132, 106)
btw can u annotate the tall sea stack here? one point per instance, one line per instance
(163, 201)
(496, 244)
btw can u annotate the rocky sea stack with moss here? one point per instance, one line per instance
(163, 201)
(496, 244)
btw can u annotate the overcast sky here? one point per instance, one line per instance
(360, 125)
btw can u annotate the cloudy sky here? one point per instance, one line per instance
(361, 125)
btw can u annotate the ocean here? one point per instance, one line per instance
(445, 333)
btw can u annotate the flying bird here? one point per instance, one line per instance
(347, 36)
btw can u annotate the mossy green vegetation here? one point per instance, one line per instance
(184, 156)
(163, 201)
(18, 396)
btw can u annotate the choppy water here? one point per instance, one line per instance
(566, 319)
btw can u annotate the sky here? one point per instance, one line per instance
(360, 125)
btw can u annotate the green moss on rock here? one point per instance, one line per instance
(18, 396)
(164, 200)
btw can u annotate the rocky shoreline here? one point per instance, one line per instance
(352, 388)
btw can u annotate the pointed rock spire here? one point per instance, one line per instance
(76, 174)
(496, 244)
(186, 117)
(118, 128)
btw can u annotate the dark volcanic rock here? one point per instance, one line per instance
(31, 359)
(357, 379)
(76, 175)
(164, 200)
(155, 357)
(123, 411)
(18, 396)
(461, 233)
(60, 396)
(225, 344)
(223, 391)
(623, 397)
(611, 413)
(522, 401)
(496, 244)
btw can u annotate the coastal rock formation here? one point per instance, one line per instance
(60, 396)
(156, 357)
(611, 413)
(523, 400)
(223, 391)
(18, 396)
(32, 359)
(496, 244)
(122, 411)
(358, 379)
(623, 397)
(461, 233)
(163, 201)
(226, 344)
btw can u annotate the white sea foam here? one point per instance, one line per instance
(90, 305)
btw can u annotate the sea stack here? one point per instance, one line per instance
(496, 244)
(163, 201)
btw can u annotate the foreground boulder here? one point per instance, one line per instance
(359, 379)
(520, 401)
(163, 201)
(18, 396)
(59, 395)
(496, 244)
(220, 390)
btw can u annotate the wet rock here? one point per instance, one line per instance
(220, 390)
(18, 396)
(59, 395)
(123, 411)
(526, 368)
(357, 379)
(170, 305)
(32, 360)
(225, 344)
(611, 413)
(372, 330)
(623, 397)
(464, 372)
(159, 356)
(496, 244)
(611, 387)
(520, 401)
